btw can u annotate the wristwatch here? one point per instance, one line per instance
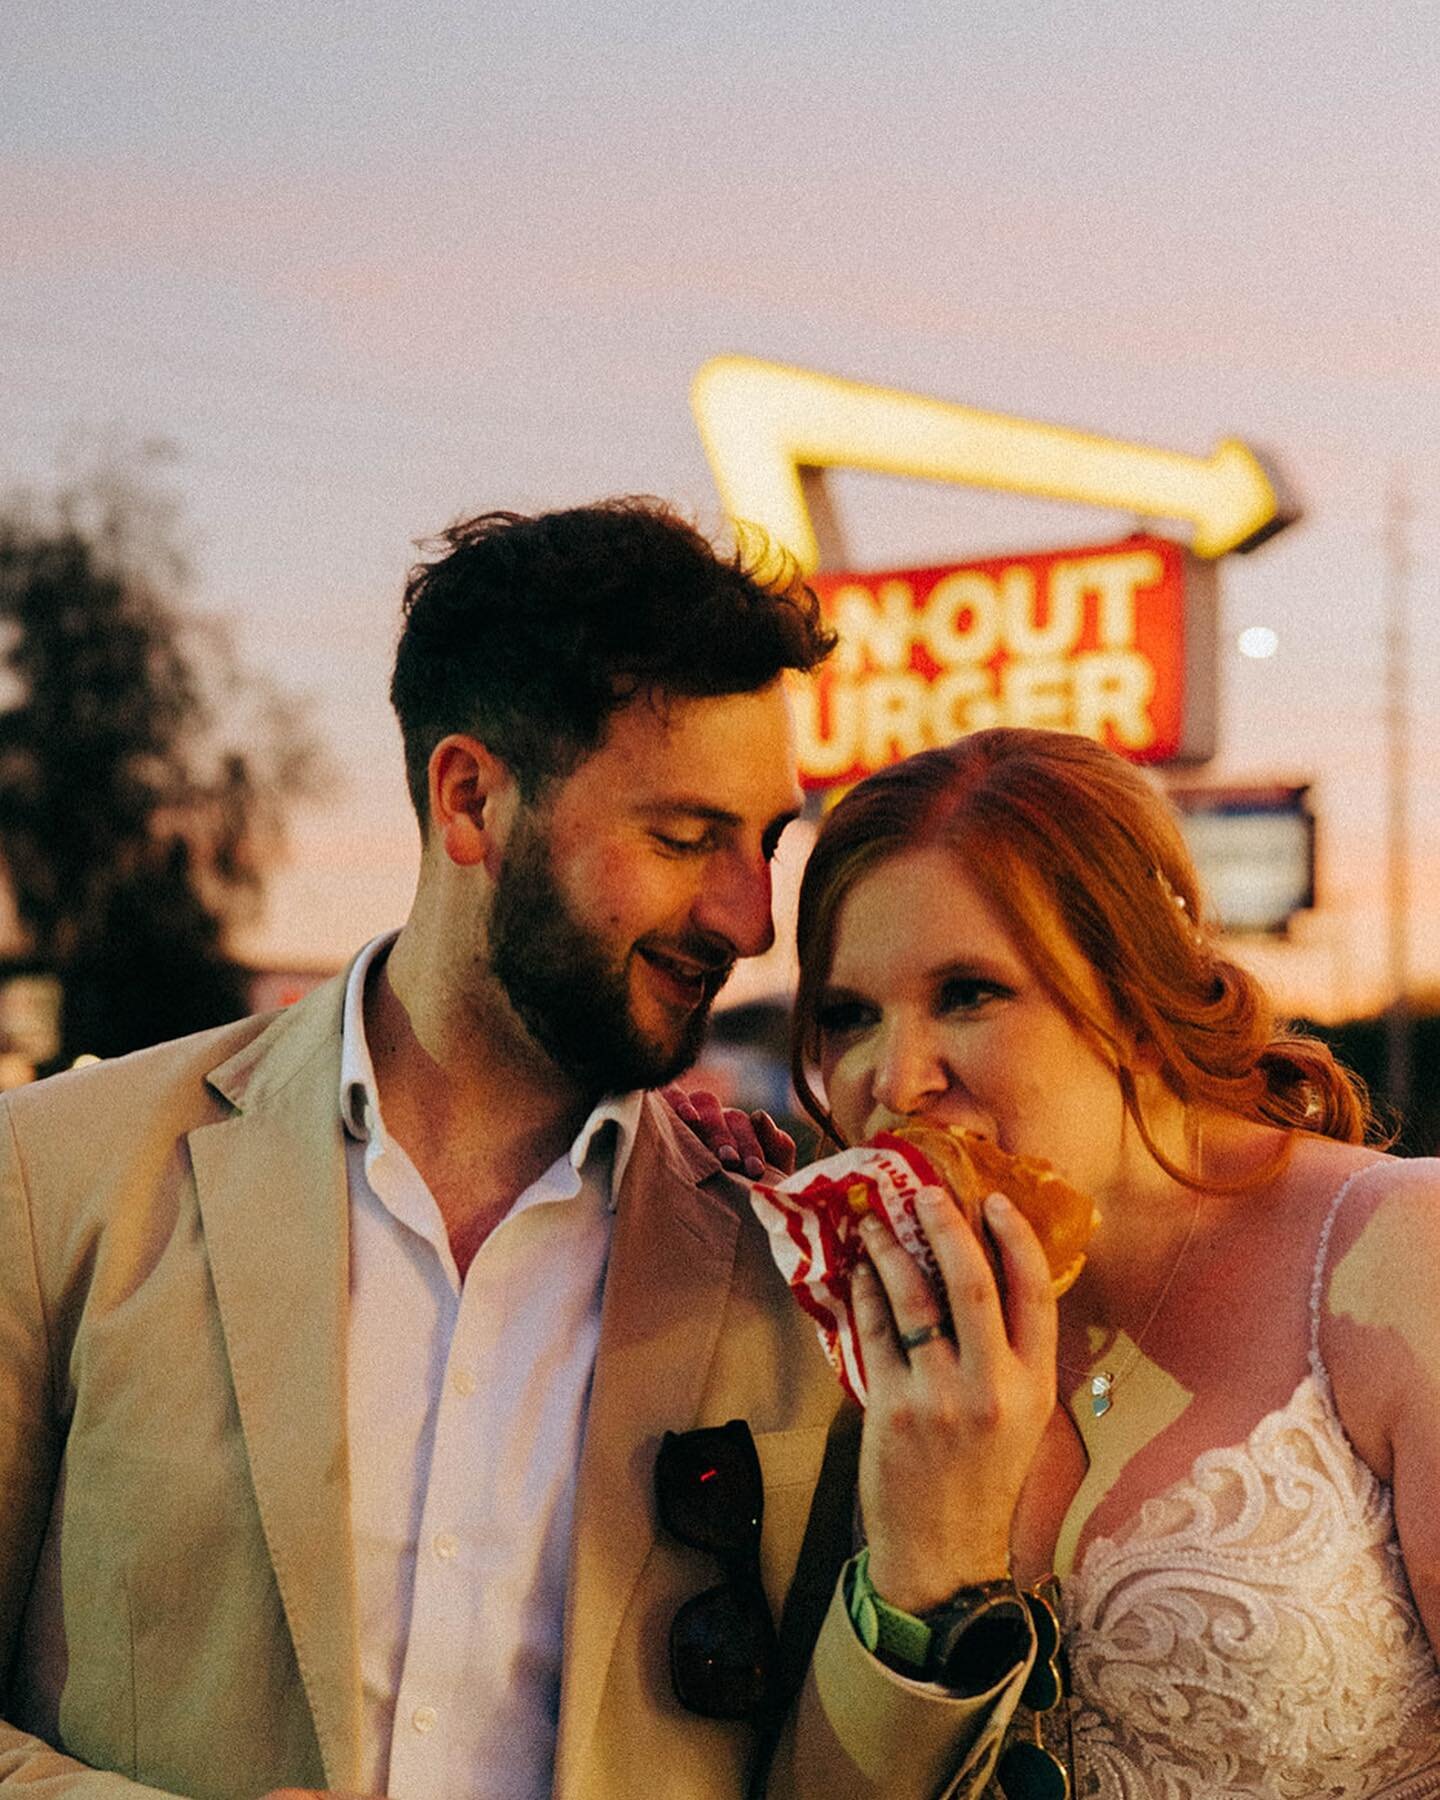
(970, 1644)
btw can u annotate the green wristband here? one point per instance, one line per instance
(971, 1644)
(899, 1639)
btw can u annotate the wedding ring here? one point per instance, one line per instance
(923, 1334)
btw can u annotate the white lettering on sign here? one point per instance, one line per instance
(885, 717)
(1113, 580)
(1001, 648)
(876, 630)
(1114, 688)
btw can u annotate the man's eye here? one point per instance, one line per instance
(680, 846)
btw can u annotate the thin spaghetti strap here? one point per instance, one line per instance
(1317, 1279)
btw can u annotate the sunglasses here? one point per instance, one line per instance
(710, 1496)
(1026, 1769)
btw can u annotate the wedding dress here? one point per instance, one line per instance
(1251, 1632)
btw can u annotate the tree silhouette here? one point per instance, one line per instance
(133, 833)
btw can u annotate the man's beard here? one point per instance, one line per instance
(569, 990)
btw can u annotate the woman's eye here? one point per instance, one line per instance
(841, 1018)
(964, 994)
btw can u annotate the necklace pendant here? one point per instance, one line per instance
(1100, 1389)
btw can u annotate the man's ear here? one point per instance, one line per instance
(470, 788)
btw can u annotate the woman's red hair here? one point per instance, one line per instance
(1074, 848)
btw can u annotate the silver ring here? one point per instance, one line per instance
(924, 1334)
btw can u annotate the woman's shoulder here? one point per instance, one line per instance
(1361, 1214)
(1342, 1186)
(1386, 1222)
(1378, 1270)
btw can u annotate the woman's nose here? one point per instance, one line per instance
(909, 1073)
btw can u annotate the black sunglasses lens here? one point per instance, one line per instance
(708, 1488)
(722, 1650)
(1028, 1772)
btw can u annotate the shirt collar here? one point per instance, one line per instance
(360, 1106)
(359, 1109)
(623, 1110)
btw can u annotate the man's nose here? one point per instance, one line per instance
(736, 903)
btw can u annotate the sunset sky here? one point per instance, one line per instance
(370, 268)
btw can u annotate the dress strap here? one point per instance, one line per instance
(1317, 1279)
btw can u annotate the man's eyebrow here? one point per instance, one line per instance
(712, 815)
(692, 809)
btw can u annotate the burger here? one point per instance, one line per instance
(971, 1167)
(813, 1218)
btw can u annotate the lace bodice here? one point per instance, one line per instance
(1252, 1632)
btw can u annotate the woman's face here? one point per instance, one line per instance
(930, 1011)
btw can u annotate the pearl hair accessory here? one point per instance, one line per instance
(1177, 900)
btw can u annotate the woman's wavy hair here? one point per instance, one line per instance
(1075, 849)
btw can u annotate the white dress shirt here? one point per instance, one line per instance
(466, 1410)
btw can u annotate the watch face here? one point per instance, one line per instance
(981, 1649)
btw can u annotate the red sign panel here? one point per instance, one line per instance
(1115, 641)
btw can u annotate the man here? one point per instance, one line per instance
(336, 1348)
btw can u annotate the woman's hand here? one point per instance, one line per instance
(952, 1425)
(749, 1142)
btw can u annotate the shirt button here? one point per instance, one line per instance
(463, 1382)
(425, 1718)
(446, 1545)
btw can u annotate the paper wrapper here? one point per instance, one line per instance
(813, 1218)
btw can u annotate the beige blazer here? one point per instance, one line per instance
(177, 1603)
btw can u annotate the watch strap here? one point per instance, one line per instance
(899, 1639)
(970, 1644)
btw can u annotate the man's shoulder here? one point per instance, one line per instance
(177, 1085)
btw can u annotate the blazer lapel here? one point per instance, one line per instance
(274, 1200)
(670, 1268)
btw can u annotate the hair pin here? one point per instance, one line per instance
(1178, 901)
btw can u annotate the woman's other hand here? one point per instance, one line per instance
(750, 1143)
(951, 1425)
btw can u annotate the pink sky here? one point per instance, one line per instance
(367, 274)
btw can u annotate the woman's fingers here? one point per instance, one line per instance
(751, 1142)
(681, 1104)
(713, 1123)
(991, 1333)
(1030, 1309)
(1017, 1316)
(875, 1327)
(912, 1300)
(776, 1146)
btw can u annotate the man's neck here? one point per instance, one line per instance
(480, 1111)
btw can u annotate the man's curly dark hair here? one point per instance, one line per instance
(530, 632)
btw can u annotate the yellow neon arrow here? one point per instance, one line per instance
(762, 422)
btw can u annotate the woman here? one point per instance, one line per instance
(1237, 1487)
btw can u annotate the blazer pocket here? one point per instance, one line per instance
(788, 1457)
(790, 1464)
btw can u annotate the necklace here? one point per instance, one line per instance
(1104, 1383)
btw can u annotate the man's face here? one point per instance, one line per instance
(624, 898)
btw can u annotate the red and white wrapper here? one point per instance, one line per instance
(813, 1218)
